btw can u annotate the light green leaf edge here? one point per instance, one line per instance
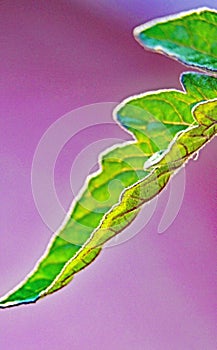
(189, 37)
(199, 87)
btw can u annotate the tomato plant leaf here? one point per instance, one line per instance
(189, 37)
(155, 119)
(168, 127)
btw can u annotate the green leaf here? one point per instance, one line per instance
(106, 206)
(189, 37)
(181, 149)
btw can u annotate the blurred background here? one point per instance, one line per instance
(153, 292)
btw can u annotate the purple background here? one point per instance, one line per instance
(154, 292)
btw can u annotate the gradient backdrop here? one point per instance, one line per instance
(154, 292)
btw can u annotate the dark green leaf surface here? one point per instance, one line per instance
(189, 37)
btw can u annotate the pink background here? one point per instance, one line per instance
(153, 292)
